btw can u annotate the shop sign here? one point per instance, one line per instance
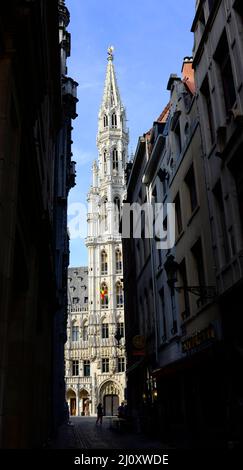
(199, 340)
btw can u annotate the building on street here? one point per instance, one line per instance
(183, 321)
(36, 172)
(218, 65)
(95, 352)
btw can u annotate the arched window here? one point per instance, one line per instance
(115, 159)
(105, 120)
(104, 263)
(104, 217)
(123, 158)
(114, 120)
(119, 295)
(105, 162)
(104, 330)
(104, 295)
(75, 332)
(118, 261)
(117, 212)
(85, 331)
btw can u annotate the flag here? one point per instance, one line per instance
(103, 293)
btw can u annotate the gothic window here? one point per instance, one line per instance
(118, 261)
(123, 158)
(105, 330)
(105, 120)
(115, 159)
(75, 368)
(104, 217)
(104, 295)
(117, 212)
(105, 162)
(104, 263)
(120, 329)
(86, 368)
(85, 331)
(119, 295)
(114, 120)
(121, 364)
(75, 332)
(105, 365)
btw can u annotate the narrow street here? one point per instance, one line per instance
(83, 433)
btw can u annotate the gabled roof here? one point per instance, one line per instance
(164, 115)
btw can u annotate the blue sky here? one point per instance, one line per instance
(150, 40)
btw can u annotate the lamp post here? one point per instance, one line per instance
(172, 267)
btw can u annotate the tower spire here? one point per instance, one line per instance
(111, 95)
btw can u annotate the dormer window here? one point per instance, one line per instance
(114, 120)
(105, 120)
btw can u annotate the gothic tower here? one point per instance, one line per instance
(105, 272)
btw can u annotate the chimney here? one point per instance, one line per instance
(188, 73)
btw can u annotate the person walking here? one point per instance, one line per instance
(121, 411)
(99, 413)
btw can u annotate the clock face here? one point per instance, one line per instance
(138, 342)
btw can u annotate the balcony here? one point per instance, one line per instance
(72, 380)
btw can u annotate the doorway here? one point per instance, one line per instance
(73, 406)
(111, 403)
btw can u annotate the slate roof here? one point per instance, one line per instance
(78, 287)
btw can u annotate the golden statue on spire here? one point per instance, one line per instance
(110, 53)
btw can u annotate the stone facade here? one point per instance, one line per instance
(185, 307)
(35, 136)
(217, 60)
(100, 369)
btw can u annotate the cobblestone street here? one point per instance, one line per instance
(83, 433)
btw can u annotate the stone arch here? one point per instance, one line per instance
(110, 394)
(71, 398)
(85, 402)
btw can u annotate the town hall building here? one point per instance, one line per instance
(95, 349)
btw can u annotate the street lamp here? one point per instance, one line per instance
(171, 268)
